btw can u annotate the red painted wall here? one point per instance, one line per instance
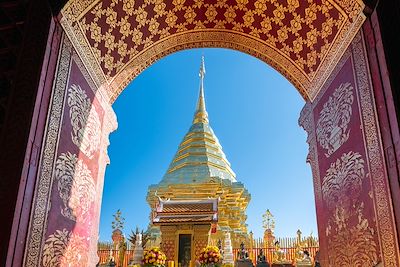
(353, 200)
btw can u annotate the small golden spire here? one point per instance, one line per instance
(201, 116)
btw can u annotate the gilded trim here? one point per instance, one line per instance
(307, 84)
(41, 205)
(385, 223)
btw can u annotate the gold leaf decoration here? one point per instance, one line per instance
(343, 180)
(353, 246)
(351, 240)
(334, 118)
(64, 248)
(84, 119)
(75, 186)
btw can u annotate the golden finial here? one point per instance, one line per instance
(201, 116)
(268, 221)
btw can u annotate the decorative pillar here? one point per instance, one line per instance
(201, 234)
(228, 252)
(138, 251)
(168, 238)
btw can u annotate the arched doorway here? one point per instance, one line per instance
(316, 45)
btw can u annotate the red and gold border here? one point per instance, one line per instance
(115, 80)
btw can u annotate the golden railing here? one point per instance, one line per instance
(104, 255)
(289, 245)
(290, 254)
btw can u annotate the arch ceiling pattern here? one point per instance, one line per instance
(302, 39)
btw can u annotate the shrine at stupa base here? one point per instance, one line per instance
(185, 226)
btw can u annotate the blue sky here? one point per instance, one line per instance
(254, 112)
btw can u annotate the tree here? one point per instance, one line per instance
(119, 221)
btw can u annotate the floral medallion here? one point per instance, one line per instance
(351, 239)
(343, 180)
(75, 186)
(334, 118)
(84, 120)
(64, 248)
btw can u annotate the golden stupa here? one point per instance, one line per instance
(199, 200)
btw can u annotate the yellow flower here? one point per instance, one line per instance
(190, 15)
(242, 3)
(141, 16)
(297, 45)
(311, 14)
(260, 6)
(111, 17)
(159, 7)
(312, 37)
(293, 4)
(124, 27)
(178, 3)
(327, 28)
(248, 18)
(296, 24)
(137, 36)
(230, 14)
(153, 28)
(95, 32)
(128, 6)
(279, 13)
(211, 13)
(282, 34)
(109, 41)
(171, 19)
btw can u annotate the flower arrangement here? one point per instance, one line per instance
(210, 256)
(154, 257)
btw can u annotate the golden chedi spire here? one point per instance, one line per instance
(201, 116)
(200, 155)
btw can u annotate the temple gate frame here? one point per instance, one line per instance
(376, 175)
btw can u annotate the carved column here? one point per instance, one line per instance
(228, 252)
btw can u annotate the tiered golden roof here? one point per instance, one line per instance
(200, 170)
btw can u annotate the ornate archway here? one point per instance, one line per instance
(317, 45)
(302, 40)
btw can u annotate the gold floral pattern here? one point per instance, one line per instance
(334, 118)
(273, 23)
(75, 186)
(343, 180)
(353, 246)
(84, 120)
(350, 244)
(64, 249)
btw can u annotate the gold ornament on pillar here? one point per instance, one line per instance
(84, 120)
(269, 226)
(334, 118)
(75, 186)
